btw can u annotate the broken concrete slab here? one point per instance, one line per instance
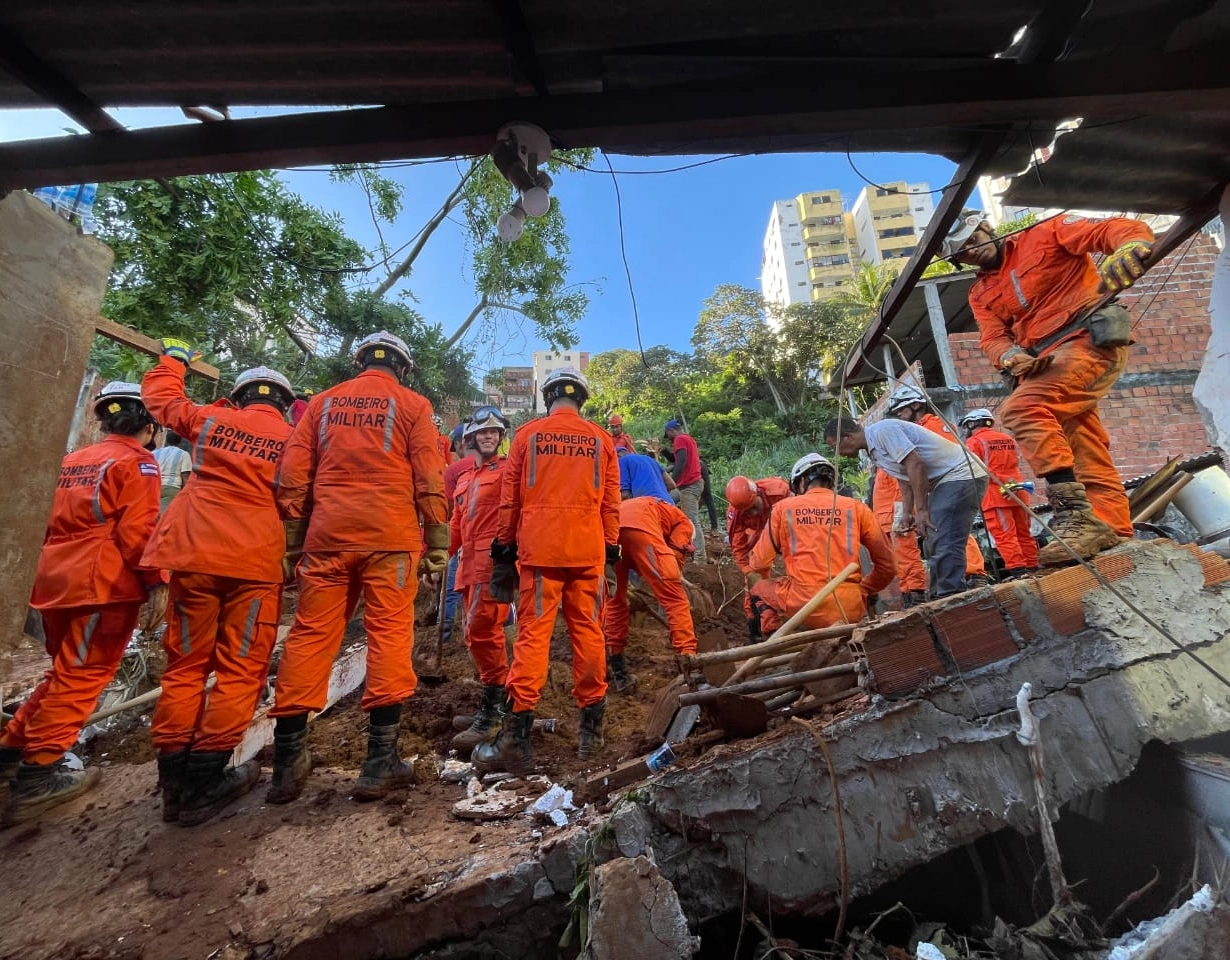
(635, 912)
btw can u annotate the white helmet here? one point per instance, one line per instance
(904, 395)
(977, 415)
(565, 382)
(266, 382)
(961, 231)
(806, 465)
(111, 397)
(380, 342)
(485, 418)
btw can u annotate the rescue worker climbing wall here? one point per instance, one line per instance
(360, 467)
(222, 541)
(1033, 303)
(90, 584)
(559, 526)
(750, 503)
(655, 539)
(474, 523)
(818, 533)
(1007, 521)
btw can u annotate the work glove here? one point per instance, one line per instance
(1019, 362)
(1125, 266)
(435, 559)
(295, 532)
(753, 578)
(503, 584)
(155, 608)
(181, 350)
(613, 553)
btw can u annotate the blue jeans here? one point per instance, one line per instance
(952, 507)
(452, 598)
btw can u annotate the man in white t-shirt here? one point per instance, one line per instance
(174, 464)
(941, 487)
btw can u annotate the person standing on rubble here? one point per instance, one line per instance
(907, 402)
(818, 533)
(359, 473)
(90, 585)
(685, 471)
(1033, 302)
(749, 505)
(941, 487)
(474, 523)
(655, 539)
(559, 527)
(222, 541)
(1007, 521)
(615, 423)
(462, 466)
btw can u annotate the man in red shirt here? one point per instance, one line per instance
(1007, 521)
(1033, 303)
(621, 439)
(454, 474)
(686, 474)
(749, 505)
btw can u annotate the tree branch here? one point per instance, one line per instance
(485, 302)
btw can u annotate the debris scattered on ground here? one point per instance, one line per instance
(554, 806)
(456, 771)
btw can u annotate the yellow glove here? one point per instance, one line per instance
(181, 350)
(435, 558)
(155, 607)
(1125, 266)
(296, 533)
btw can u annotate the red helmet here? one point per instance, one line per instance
(615, 420)
(741, 493)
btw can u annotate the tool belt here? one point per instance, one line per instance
(1108, 326)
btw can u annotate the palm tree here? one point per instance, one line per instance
(862, 296)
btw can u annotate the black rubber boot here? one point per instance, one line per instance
(10, 760)
(589, 739)
(976, 580)
(171, 768)
(291, 765)
(617, 673)
(510, 751)
(39, 787)
(754, 633)
(912, 598)
(486, 723)
(383, 770)
(209, 785)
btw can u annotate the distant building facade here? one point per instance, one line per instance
(809, 250)
(547, 360)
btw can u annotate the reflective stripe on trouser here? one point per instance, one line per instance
(911, 571)
(579, 590)
(86, 645)
(662, 575)
(484, 624)
(769, 598)
(952, 506)
(1010, 528)
(216, 625)
(1054, 418)
(689, 503)
(388, 582)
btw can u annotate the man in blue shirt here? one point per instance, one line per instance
(642, 476)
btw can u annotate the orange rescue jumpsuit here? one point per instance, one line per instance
(445, 445)
(975, 562)
(1007, 521)
(911, 571)
(476, 514)
(560, 505)
(90, 584)
(1044, 280)
(654, 536)
(222, 540)
(743, 528)
(364, 466)
(818, 533)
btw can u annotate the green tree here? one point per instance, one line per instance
(733, 334)
(864, 294)
(1027, 219)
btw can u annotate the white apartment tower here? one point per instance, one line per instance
(783, 268)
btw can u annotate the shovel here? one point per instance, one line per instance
(436, 673)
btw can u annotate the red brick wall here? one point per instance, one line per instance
(1148, 424)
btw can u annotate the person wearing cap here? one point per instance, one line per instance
(818, 533)
(643, 476)
(90, 584)
(475, 519)
(222, 540)
(941, 487)
(361, 493)
(622, 441)
(749, 503)
(300, 405)
(1034, 302)
(1007, 521)
(685, 471)
(558, 529)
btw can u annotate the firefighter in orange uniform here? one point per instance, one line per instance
(911, 571)
(621, 440)
(222, 541)
(559, 517)
(818, 533)
(359, 473)
(655, 538)
(1006, 520)
(1033, 303)
(748, 505)
(443, 443)
(90, 584)
(475, 520)
(909, 403)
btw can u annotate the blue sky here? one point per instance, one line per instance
(685, 232)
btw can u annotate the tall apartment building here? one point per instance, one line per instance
(513, 392)
(547, 360)
(808, 249)
(889, 219)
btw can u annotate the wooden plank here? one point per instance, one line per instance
(139, 341)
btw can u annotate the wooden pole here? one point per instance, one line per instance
(139, 341)
(802, 639)
(783, 681)
(1162, 500)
